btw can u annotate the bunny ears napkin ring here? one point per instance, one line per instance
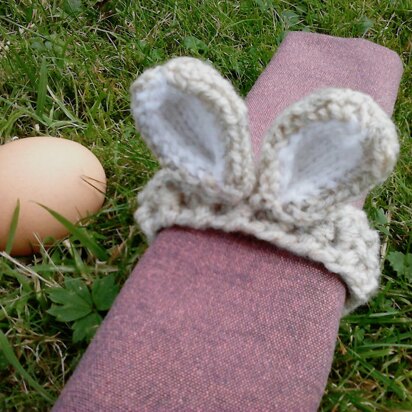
(320, 154)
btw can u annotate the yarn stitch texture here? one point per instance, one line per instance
(322, 153)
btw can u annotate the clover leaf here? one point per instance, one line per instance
(76, 302)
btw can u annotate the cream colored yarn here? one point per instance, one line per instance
(320, 154)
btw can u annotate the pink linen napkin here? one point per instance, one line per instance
(210, 321)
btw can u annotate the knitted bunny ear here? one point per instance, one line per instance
(194, 122)
(330, 147)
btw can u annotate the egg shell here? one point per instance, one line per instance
(60, 174)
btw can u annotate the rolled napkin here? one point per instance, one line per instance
(224, 321)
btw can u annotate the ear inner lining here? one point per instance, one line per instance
(184, 124)
(318, 157)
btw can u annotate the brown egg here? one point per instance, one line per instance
(57, 173)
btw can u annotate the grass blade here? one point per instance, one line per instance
(13, 227)
(80, 235)
(12, 359)
(42, 89)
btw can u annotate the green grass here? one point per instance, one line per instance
(65, 70)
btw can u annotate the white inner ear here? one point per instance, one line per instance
(181, 128)
(318, 157)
